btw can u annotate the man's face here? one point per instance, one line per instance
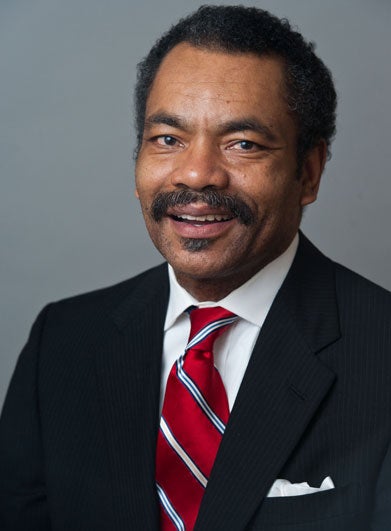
(219, 123)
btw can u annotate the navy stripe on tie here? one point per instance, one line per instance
(198, 396)
(209, 329)
(170, 511)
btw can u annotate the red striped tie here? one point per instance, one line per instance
(195, 412)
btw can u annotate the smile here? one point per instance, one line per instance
(209, 218)
(205, 225)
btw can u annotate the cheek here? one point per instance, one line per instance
(144, 185)
(263, 197)
(149, 181)
(143, 194)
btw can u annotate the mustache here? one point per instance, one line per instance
(231, 204)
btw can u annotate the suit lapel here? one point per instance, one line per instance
(128, 371)
(282, 389)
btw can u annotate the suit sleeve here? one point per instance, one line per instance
(23, 501)
(382, 514)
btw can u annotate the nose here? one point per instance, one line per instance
(200, 166)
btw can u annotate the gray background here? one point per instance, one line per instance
(68, 219)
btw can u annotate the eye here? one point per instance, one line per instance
(245, 145)
(165, 140)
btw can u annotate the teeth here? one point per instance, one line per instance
(209, 217)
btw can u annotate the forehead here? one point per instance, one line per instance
(205, 83)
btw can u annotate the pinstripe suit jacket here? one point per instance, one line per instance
(79, 425)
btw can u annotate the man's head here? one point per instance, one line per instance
(227, 156)
(310, 90)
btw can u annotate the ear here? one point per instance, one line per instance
(311, 172)
(136, 193)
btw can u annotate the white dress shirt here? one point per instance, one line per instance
(232, 350)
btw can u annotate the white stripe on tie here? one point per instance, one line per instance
(198, 397)
(171, 512)
(181, 453)
(211, 327)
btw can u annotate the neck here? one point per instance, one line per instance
(212, 289)
(216, 287)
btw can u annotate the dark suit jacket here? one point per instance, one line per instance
(79, 425)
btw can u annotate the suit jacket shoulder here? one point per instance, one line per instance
(109, 299)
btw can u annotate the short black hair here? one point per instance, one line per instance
(311, 94)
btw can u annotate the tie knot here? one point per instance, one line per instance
(206, 325)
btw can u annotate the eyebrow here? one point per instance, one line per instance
(231, 126)
(248, 124)
(162, 118)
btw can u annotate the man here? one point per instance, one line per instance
(235, 116)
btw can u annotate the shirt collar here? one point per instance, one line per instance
(251, 301)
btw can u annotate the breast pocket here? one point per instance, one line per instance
(337, 509)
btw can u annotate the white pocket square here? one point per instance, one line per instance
(283, 487)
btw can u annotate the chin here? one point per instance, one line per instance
(194, 265)
(195, 245)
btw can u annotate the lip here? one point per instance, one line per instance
(192, 230)
(197, 209)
